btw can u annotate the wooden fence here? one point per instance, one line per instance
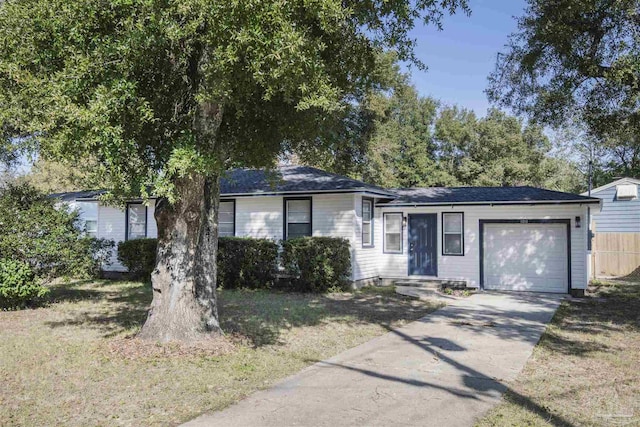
(615, 254)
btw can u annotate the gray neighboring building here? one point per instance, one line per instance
(616, 228)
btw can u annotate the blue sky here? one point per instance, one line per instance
(462, 55)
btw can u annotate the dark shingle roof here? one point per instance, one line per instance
(76, 195)
(457, 195)
(305, 179)
(287, 179)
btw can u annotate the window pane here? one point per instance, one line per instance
(366, 210)
(298, 230)
(298, 205)
(453, 244)
(225, 217)
(392, 243)
(137, 221)
(366, 234)
(302, 217)
(298, 211)
(452, 223)
(91, 226)
(393, 223)
(225, 229)
(226, 207)
(136, 213)
(87, 209)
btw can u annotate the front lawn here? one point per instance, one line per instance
(75, 363)
(585, 370)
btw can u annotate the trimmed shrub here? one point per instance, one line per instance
(18, 286)
(48, 238)
(317, 264)
(139, 256)
(246, 262)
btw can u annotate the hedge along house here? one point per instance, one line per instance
(615, 250)
(501, 238)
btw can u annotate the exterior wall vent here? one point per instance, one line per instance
(626, 191)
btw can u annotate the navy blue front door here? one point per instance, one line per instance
(423, 244)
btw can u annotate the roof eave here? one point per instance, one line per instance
(298, 192)
(494, 203)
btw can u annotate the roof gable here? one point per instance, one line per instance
(620, 181)
(291, 179)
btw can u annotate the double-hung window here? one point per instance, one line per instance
(367, 222)
(88, 213)
(226, 218)
(453, 233)
(136, 221)
(297, 218)
(393, 232)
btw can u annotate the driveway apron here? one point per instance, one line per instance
(446, 369)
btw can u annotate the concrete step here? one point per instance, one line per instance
(425, 284)
(417, 292)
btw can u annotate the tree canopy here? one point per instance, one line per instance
(574, 58)
(402, 139)
(167, 94)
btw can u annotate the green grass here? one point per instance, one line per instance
(585, 369)
(75, 362)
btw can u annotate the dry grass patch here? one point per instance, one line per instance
(584, 371)
(76, 362)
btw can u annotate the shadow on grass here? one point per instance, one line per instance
(110, 306)
(261, 316)
(258, 317)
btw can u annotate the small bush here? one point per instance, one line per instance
(139, 256)
(317, 264)
(18, 287)
(47, 237)
(246, 263)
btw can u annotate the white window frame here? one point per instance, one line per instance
(446, 215)
(86, 218)
(233, 221)
(286, 215)
(367, 223)
(385, 248)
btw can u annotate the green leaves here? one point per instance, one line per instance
(34, 231)
(151, 90)
(573, 58)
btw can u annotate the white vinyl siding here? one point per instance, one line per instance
(393, 232)
(112, 226)
(226, 219)
(468, 267)
(452, 229)
(617, 215)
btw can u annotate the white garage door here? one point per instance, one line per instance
(525, 257)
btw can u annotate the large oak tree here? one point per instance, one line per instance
(167, 94)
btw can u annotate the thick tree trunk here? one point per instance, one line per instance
(184, 280)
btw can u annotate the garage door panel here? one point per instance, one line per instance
(525, 257)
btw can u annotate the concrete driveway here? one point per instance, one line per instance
(446, 369)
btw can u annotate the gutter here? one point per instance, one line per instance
(505, 203)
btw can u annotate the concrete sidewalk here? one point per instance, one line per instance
(446, 369)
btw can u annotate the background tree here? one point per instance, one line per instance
(496, 150)
(574, 58)
(168, 94)
(50, 176)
